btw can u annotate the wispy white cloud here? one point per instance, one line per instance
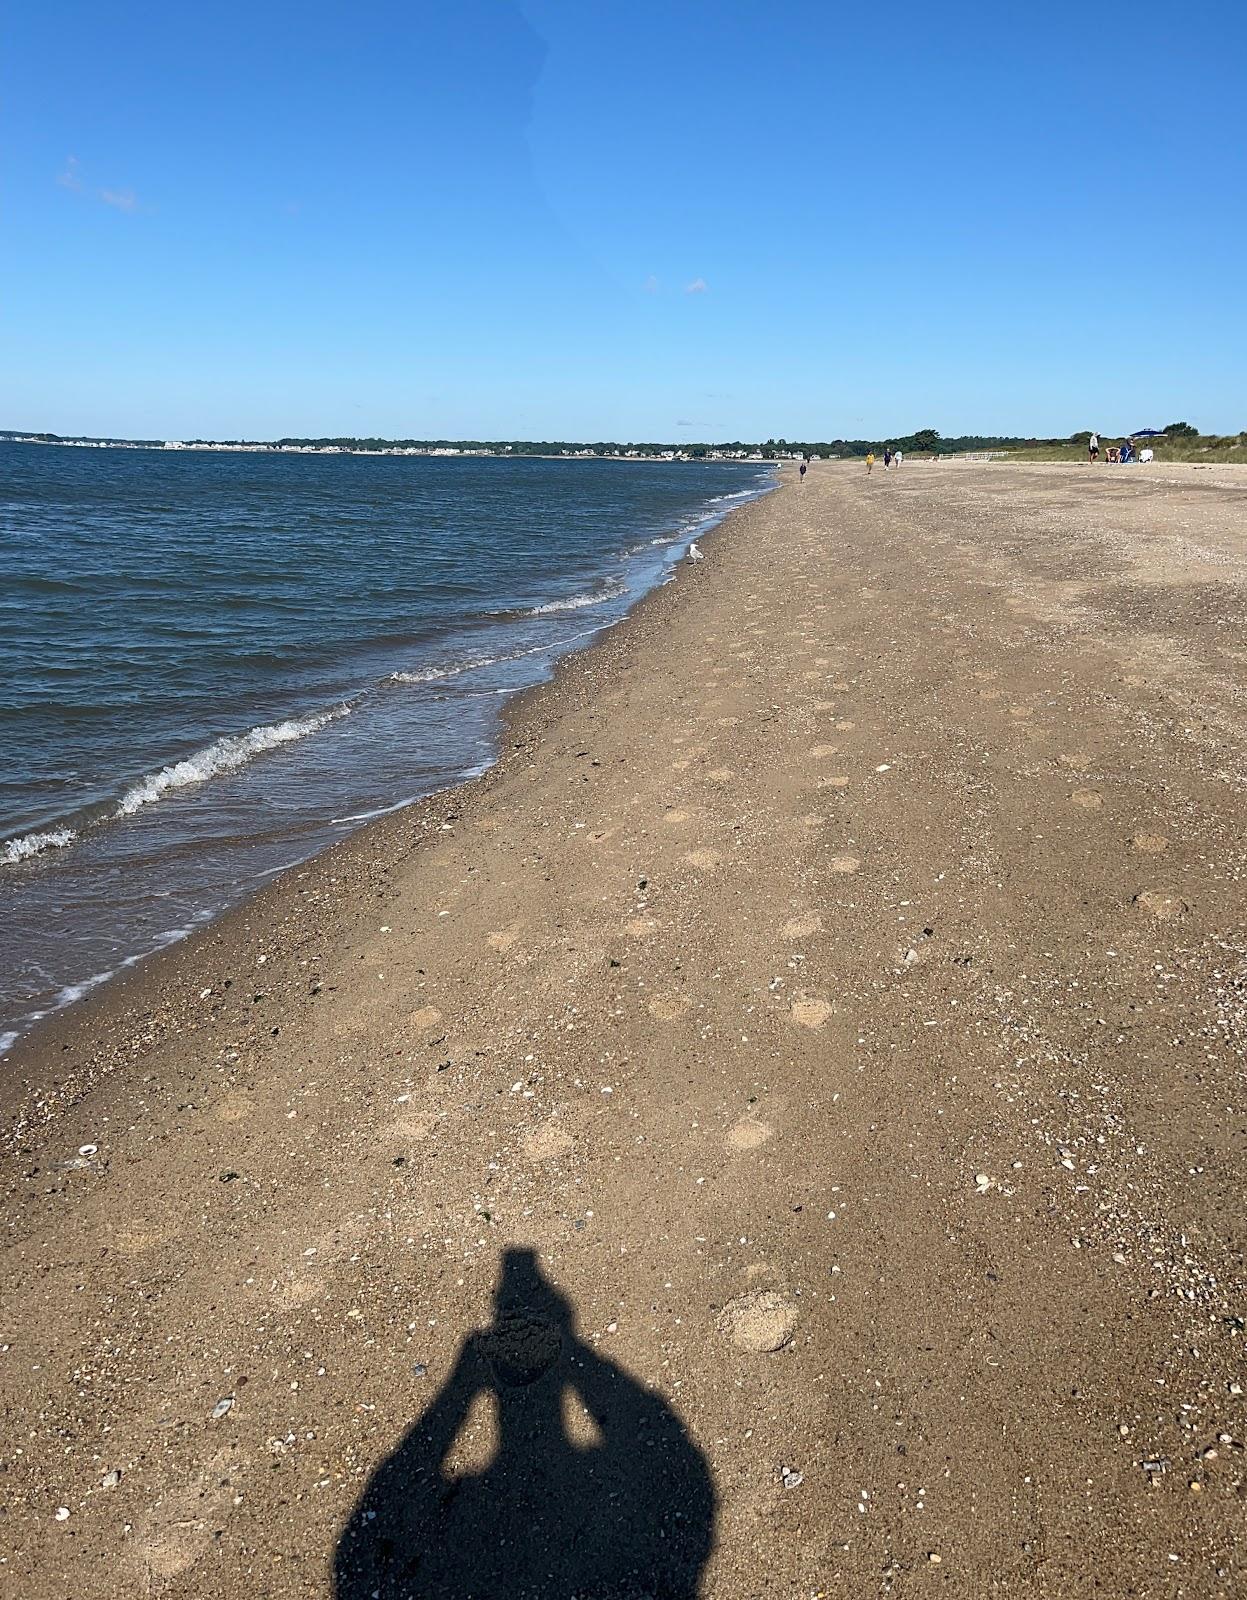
(651, 284)
(69, 179)
(698, 286)
(122, 199)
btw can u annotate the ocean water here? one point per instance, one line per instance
(212, 665)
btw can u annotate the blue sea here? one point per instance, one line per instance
(214, 664)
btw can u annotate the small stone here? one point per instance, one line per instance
(62, 1513)
(110, 1480)
(934, 1557)
(982, 1182)
(222, 1408)
(419, 1370)
(791, 1478)
(87, 1149)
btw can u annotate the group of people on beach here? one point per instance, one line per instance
(891, 458)
(1123, 454)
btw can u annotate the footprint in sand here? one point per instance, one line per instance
(139, 1237)
(426, 1017)
(502, 939)
(675, 815)
(546, 1143)
(823, 707)
(1160, 903)
(1021, 713)
(720, 774)
(1087, 799)
(845, 727)
(844, 863)
(750, 1133)
(840, 781)
(758, 1322)
(415, 1126)
(1149, 844)
(820, 752)
(802, 927)
(639, 927)
(667, 1007)
(233, 1107)
(811, 1012)
(705, 859)
(1074, 759)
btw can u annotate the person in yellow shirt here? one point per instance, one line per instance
(870, 462)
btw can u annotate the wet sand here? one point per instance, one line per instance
(781, 1132)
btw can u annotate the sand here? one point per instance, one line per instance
(781, 1132)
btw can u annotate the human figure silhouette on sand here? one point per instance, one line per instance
(627, 1514)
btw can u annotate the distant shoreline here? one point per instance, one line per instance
(439, 452)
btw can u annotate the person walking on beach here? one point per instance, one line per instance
(898, 458)
(803, 467)
(870, 462)
(887, 456)
(1093, 448)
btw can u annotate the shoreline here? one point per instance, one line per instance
(120, 1004)
(82, 987)
(806, 1073)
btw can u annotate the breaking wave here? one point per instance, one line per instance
(577, 602)
(34, 844)
(223, 755)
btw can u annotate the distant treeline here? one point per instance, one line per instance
(925, 441)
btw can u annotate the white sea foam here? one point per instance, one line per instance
(34, 844)
(367, 816)
(435, 674)
(224, 755)
(577, 602)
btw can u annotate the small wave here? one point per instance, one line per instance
(577, 602)
(34, 844)
(435, 674)
(224, 755)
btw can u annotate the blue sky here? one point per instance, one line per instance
(573, 218)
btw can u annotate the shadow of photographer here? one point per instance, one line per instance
(624, 1509)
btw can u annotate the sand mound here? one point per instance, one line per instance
(759, 1322)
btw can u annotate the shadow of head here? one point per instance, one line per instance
(540, 1468)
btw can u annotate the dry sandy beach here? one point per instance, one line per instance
(780, 1133)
